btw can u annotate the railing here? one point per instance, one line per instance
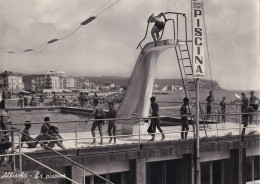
(62, 175)
(12, 154)
(67, 158)
(219, 130)
(142, 125)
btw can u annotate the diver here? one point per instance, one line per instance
(159, 25)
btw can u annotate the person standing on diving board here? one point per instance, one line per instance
(159, 25)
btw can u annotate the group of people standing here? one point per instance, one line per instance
(247, 109)
(247, 106)
(99, 115)
(155, 119)
(84, 100)
(29, 100)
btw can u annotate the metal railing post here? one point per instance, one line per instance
(76, 134)
(219, 113)
(12, 151)
(252, 168)
(84, 176)
(177, 26)
(139, 136)
(240, 132)
(20, 151)
(236, 113)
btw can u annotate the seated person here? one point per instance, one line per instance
(52, 134)
(46, 126)
(25, 138)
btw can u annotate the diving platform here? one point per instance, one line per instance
(140, 86)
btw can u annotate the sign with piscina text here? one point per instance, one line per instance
(198, 39)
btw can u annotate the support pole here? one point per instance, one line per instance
(12, 151)
(197, 133)
(210, 172)
(20, 152)
(139, 136)
(76, 134)
(252, 169)
(84, 176)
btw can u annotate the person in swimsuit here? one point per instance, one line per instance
(112, 123)
(223, 108)
(244, 110)
(155, 122)
(210, 101)
(25, 138)
(98, 113)
(46, 125)
(159, 25)
(253, 104)
(184, 119)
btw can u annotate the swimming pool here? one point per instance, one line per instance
(18, 118)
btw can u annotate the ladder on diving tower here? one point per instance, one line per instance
(189, 83)
(186, 70)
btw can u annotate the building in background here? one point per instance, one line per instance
(62, 78)
(107, 86)
(12, 82)
(70, 83)
(29, 83)
(39, 82)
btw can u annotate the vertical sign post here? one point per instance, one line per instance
(198, 66)
(198, 39)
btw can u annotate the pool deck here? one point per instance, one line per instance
(84, 138)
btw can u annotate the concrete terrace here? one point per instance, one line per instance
(84, 139)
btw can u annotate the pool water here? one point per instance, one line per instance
(18, 119)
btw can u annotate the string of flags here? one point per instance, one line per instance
(104, 7)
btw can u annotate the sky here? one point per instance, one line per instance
(107, 46)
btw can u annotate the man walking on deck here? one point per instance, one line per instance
(184, 118)
(244, 109)
(210, 100)
(223, 108)
(253, 104)
(112, 123)
(155, 122)
(98, 113)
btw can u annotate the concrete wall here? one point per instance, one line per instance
(132, 159)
